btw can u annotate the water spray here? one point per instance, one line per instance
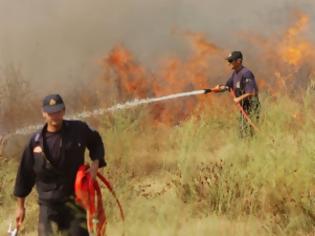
(129, 104)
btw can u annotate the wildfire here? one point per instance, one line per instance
(293, 47)
(175, 75)
(279, 63)
(131, 78)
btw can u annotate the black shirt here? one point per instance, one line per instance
(52, 146)
(55, 179)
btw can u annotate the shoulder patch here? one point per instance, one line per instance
(247, 80)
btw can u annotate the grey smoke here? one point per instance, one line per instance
(57, 43)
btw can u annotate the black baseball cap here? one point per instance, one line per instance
(234, 56)
(53, 103)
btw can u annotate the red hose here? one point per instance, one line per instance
(85, 189)
(244, 113)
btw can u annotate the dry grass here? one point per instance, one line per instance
(200, 178)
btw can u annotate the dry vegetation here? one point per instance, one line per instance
(199, 177)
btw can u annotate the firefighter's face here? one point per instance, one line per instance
(54, 119)
(236, 64)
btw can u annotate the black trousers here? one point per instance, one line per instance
(62, 219)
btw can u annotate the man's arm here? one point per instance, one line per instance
(219, 88)
(25, 177)
(24, 182)
(96, 148)
(20, 212)
(223, 88)
(240, 98)
(93, 168)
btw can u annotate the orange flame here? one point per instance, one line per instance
(293, 48)
(133, 81)
(279, 64)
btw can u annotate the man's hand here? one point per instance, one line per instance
(240, 98)
(20, 215)
(237, 100)
(20, 212)
(219, 88)
(93, 169)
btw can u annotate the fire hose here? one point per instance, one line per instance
(243, 112)
(85, 189)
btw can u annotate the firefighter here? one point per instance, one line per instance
(50, 162)
(243, 85)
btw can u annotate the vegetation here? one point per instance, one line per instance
(199, 177)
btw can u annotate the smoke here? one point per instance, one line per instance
(58, 43)
(60, 46)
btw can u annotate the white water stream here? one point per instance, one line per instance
(101, 111)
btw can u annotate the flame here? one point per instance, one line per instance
(282, 59)
(175, 75)
(293, 48)
(281, 62)
(277, 62)
(132, 79)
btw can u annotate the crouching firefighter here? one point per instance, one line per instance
(50, 161)
(243, 87)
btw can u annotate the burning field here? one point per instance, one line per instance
(282, 64)
(179, 166)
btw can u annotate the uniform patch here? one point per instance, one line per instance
(37, 149)
(247, 80)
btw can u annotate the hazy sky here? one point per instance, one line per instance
(60, 39)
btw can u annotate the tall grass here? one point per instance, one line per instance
(199, 177)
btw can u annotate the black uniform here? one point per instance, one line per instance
(50, 161)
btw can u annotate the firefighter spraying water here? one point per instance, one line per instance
(244, 90)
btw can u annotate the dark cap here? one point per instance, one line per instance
(53, 103)
(234, 56)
